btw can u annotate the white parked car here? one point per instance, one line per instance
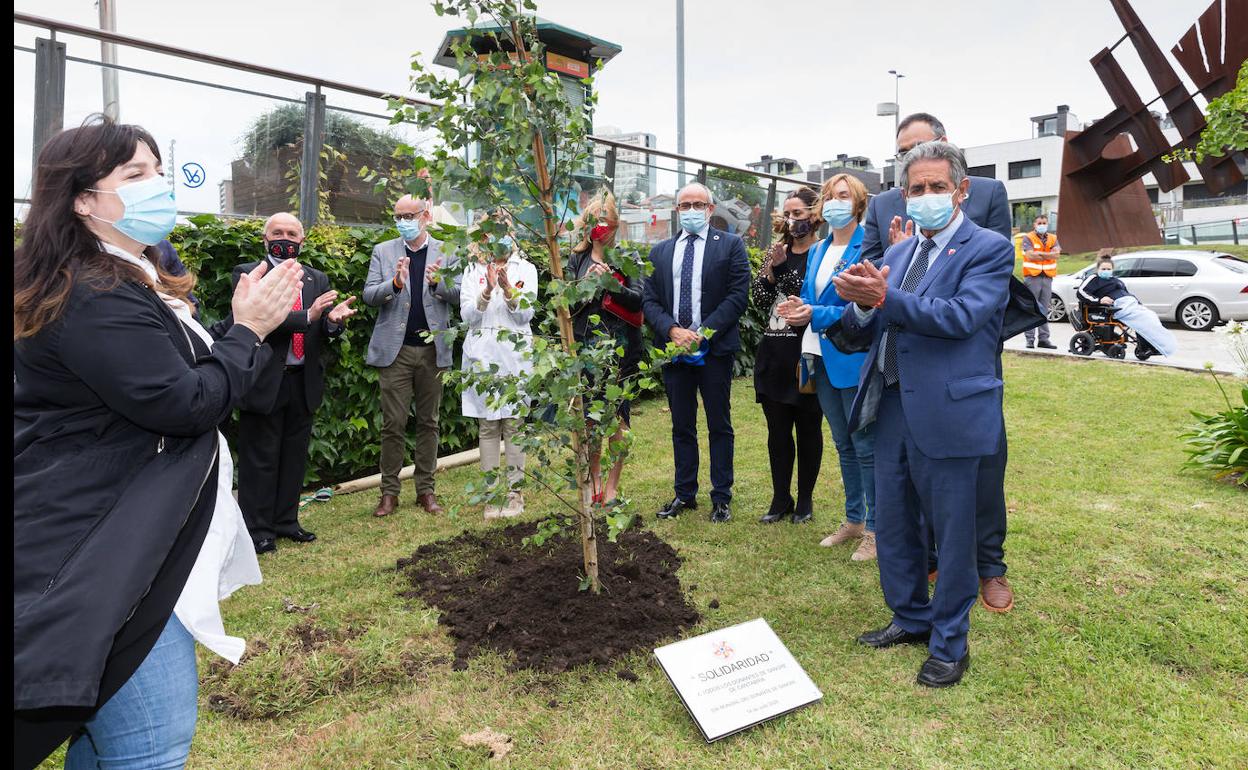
(1196, 289)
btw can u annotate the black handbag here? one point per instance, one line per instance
(1022, 311)
(837, 336)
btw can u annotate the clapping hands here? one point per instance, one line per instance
(862, 283)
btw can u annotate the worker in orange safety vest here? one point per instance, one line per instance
(1040, 253)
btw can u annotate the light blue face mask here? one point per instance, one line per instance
(932, 211)
(1041, 229)
(507, 242)
(838, 214)
(150, 211)
(692, 221)
(409, 230)
(1106, 274)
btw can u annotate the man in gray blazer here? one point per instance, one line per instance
(409, 363)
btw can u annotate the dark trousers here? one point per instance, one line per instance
(784, 421)
(906, 481)
(990, 511)
(990, 514)
(683, 383)
(414, 379)
(272, 454)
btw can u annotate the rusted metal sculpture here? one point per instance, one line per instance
(1103, 201)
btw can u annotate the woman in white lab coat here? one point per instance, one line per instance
(498, 294)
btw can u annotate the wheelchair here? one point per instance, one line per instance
(1097, 329)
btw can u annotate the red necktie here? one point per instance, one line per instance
(296, 340)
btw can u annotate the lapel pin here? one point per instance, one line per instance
(715, 237)
(951, 252)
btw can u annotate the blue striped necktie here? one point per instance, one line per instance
(918, 269)
(685, 316)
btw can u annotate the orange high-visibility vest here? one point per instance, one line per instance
(1038, 261)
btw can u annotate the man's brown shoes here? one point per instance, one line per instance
(996, 594)
(387, 505)
(429, 502)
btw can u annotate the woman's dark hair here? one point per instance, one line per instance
(57, 247)
(1105, 261)
(780, 223)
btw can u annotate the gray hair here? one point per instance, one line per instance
(710, 197)
(938, 128)
(934, 151)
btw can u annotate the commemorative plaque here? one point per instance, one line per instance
(735, 678)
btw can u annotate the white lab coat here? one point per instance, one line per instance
(482, 346)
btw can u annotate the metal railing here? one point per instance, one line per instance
(746, 200)
(1223, 231)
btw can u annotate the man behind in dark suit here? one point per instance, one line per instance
(275, 417)
(933, 312)
(700, 282)
(988, 206)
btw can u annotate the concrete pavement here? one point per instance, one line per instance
(1195, 348)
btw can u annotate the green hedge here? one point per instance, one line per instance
(346, 437)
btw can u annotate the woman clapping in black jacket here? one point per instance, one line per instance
(617, 311)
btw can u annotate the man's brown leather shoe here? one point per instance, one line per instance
(429, 502)
(387, 505)
(996, 594)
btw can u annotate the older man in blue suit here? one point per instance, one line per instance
(700, 282)
(988, 206)
(933, 311)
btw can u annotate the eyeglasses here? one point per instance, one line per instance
(695, 205)
(410, 217)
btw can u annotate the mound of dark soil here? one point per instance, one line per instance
(495, 593)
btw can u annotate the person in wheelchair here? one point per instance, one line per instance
(1101, 290)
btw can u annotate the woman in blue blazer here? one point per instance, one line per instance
(835, 374)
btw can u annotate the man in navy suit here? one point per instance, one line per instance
(700, 283)
(988, 206)
(933, 312)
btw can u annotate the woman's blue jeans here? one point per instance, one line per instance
(149, 723)
(856, 450)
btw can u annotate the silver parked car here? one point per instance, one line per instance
(1197, 289)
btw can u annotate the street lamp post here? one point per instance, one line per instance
(680, 91)
(897, 76)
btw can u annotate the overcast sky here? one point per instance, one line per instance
(799, 79)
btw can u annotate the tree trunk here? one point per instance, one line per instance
(580, 442)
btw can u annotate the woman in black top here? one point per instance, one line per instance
(776, 363)
(1101, 287)
(115, 445)
(618, 313)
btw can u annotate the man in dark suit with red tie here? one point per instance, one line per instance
(275, 417)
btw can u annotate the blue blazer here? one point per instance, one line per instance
(948, 330)
(725, 290)
(988, 206)
(826, 309)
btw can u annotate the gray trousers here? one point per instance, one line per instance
(1042, 288)
(414, 379)
(494, 433)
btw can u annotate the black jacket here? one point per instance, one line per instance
(114, 451)
(262, 397)
(1095, 287)
(628, 295)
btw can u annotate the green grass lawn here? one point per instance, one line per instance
(1128, 647)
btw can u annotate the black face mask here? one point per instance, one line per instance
(800, 228)
(282, 248)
